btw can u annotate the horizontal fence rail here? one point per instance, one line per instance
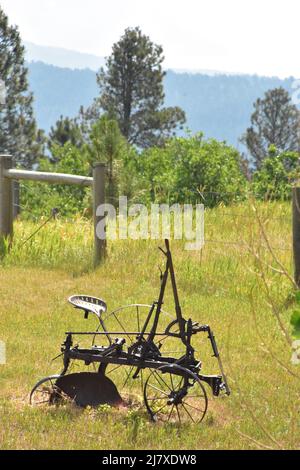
(8, 177)
(55, 178)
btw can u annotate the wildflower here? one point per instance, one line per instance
(296, 353)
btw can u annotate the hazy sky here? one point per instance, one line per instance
(249, 36)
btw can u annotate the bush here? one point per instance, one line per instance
(192, 169)
(274, 179)
(38, 199)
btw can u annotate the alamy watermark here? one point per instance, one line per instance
(2, 92)
(160, 221)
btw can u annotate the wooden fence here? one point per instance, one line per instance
(9, 175)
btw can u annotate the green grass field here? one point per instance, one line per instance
(241, 296)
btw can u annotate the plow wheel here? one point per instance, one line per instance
(170, 397)
(46, 392)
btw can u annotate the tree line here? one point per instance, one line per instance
(128, 127)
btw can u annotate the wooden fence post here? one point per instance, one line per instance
(16, 199)
(98, 200)
(296, 234)
(6, 202)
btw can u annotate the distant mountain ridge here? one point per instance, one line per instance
(71, 59)
(59, 91)
(218, 104)
(64, 58)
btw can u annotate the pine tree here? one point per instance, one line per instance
(132, 91)
(275, 121)
(65, 130)
(19, 135)
(108, 146)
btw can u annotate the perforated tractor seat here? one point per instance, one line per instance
(89, 304)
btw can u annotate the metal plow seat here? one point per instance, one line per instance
(97, 307)
(89, 305)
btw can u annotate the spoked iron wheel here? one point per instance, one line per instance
(46, 392)
(126, 319)
(174, 398)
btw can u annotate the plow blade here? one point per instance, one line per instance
(89, 389)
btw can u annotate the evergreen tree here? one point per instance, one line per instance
(66, 130)
(132, 91)
(19, 135)
(275, 122)
(108, 146)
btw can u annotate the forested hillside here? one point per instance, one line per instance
(220, 105)
(60, 91)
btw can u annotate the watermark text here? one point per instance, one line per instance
(160, 221)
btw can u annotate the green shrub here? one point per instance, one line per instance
(38, 199)
(186, 167)
(277, 173)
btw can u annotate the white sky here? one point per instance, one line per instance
(247, 36)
